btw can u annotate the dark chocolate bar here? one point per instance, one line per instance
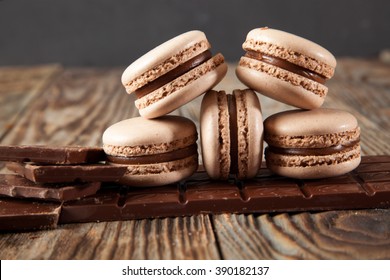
(17, 214)
(12, 185)
(68, 173)
(366, 187)
(52, 154)
(104, 206)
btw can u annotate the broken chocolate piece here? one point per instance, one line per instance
(68, 173)
(52, 154)
(17, 214)
(16, 186)
(103, 206)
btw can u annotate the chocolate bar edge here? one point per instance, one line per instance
(355, 194)
(51, 154)
(373, 199)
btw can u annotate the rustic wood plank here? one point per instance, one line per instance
(19, 86)
(363, 234)
(168, 238)
(74, 110)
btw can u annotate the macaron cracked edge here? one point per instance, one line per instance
(173, 73)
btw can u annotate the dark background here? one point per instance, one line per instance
(116, 32)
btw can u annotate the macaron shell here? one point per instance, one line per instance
(321, 128)
(170, 54)
(215, 134)
(159, 174)
(250, 133)
(213, 125)
(278, 89)
(312, 172)
(320, 121)
(184, 89)
(291, 43)
(139, 136)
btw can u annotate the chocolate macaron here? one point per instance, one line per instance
(231, 129)
(173, 74)
(312, 144)
(156, 152)
(286, 67)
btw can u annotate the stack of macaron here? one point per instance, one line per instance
(307, 143)
(160, 149)
(310, 142)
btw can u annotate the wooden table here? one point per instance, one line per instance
(50, 104)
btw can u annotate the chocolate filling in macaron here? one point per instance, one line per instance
(155, 152)
(231, 128)
(173, 74)
(284, 64)
(311, 144)
(156, 158)
(286, 67)
(231, 99)
(345, 147)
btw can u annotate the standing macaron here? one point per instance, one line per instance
(173, 74)
(156, 152)
(312, 144)
(231, 128)
(286, 67)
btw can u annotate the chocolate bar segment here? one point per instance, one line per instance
(67, 173)
(273, 193)
(139, 203)
(366, 187)
(16, 214)
(16, 186)
(218, 197)
(52, 154)
(116, 203)
(104, 206)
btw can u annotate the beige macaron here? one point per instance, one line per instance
(231, 129)
(310, 144)
(173, 74)
(156, 152)
(286, 67)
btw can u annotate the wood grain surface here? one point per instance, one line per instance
(50, 104)
(363, 234)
